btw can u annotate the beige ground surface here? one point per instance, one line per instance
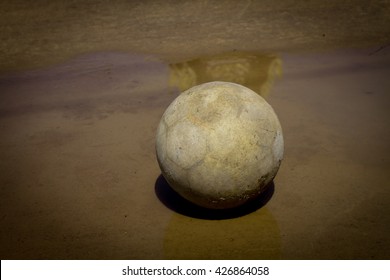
(83, 87)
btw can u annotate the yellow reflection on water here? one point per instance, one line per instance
(253, 236)
(255, 71)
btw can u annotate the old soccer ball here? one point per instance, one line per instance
(219, 144)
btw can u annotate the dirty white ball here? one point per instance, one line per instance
(219, 144)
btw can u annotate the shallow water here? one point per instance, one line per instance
(83, 87)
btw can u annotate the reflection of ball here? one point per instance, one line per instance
(219, 144)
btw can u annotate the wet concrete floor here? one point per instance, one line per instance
(83, 85)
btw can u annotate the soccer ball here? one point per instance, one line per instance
(219, 144)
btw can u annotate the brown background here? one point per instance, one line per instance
(83, 86)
